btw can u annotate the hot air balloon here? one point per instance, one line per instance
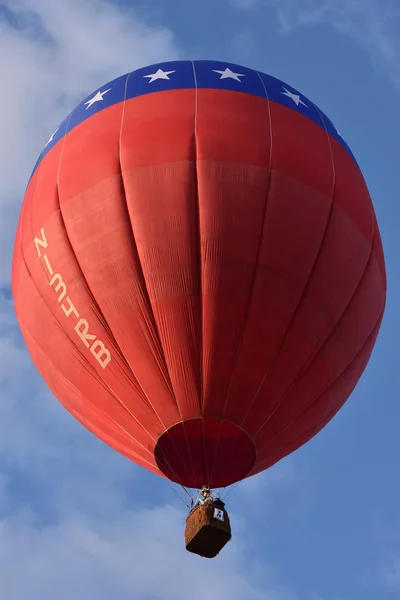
(198, 272)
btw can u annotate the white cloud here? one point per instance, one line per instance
(243, 43)
(54, 53)
(128, 555)
(374, 24)
(391, 574)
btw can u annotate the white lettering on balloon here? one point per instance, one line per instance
(56, 281)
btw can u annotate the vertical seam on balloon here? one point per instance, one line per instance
(133, 242)
(332, 383)
(200, 283)
(139, 261)
(317, 349)
(144, 284)
(199, 250)
(254, 272)
(168, 382)
(302, 296)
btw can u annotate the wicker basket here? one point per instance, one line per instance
(207, 530)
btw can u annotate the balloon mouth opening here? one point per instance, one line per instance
(205, 451)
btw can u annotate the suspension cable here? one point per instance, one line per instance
(178, 495)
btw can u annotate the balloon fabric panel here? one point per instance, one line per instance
(198, 272)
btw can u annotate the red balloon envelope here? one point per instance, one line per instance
(198, 272)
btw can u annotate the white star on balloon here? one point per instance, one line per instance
(160, 74)
(51, 138)
(295, 97)
(335, 128)
(96, 98)
(228, 74)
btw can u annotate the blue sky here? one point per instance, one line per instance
(76, 519)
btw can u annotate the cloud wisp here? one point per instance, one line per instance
(52, 55)
(373, 24)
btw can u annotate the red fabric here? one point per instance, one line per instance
(221, 260)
